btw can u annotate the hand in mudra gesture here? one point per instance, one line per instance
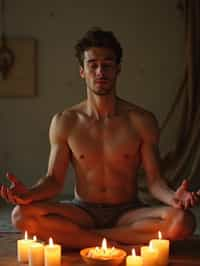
(16, 192)
(184, 198)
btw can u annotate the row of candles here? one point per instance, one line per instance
(155, 254)
(38, 254)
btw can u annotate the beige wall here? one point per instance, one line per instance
(151, 33)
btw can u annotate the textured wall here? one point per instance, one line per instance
(152, 35)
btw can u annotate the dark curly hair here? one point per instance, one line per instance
(96, 37)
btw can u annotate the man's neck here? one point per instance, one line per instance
(101, 107)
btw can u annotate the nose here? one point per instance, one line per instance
(100, 71)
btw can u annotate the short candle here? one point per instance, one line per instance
(36, 254)
(133, 260)
(52, 254)
(162, 245)
(149, 255)
(23, 248)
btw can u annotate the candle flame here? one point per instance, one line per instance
(50, 241)
(133, 252)
(159, 235)
(104, 244)
(26, 235)
(35, 238)
(150, 246)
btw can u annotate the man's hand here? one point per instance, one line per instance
(16, 193)
(184, 198)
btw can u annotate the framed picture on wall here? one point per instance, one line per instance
(21, 79)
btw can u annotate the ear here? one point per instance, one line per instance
(119, 68)
(82, 73)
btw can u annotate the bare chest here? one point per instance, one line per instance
(110, 141)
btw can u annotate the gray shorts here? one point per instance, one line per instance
(106, 215)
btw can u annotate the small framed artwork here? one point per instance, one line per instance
(21, 78)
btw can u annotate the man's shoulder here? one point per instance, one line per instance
(69, 114)
(143, 120)
(138, 112)
(63, 122)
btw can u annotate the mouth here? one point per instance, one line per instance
(101, 81)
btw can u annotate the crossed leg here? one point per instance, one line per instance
(65, 223)
(140, 225)
(74, 228)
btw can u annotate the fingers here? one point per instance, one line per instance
(7, 195)
(196, 197)
(187, 204)
(11, 197)
(177, 204)
(191, 200)
(16, 184)
(185, 184)
(198, 193)
(12, 178)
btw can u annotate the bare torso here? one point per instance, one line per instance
(105, 153)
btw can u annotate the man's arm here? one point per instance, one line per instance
(52, 183)
(151, 162)
(182, 197)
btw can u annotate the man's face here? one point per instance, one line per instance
(100, 70)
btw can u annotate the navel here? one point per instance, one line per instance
(82, 156)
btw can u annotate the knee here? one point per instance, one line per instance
(22, 221)
(17, 216)
(181, 224)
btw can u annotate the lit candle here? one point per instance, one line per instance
(133, 260)
(23, 248)
(95, 255)
(162, 245)
(149, 255)
(36, 253)
(52, 254)
(103, 252)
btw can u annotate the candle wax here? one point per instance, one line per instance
(52, 255)
(23, 249)
(36, 254)
(134, 261)
(149, 256)
(162, 245)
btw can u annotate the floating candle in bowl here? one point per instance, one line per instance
(162, 245)
(23, 248)
(103, 255)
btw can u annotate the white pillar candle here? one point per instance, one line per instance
(23, 248)
(149, 256)
(162, 245)
(52, 254)
(36, 254)
(133, 260)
